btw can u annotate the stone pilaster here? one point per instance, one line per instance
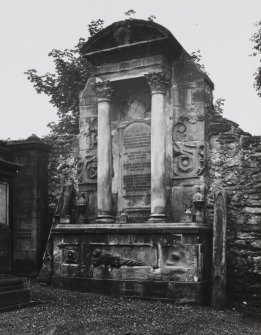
(104, 174)
(158, 85)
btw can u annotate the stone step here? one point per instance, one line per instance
(12, 292)
(14, 297)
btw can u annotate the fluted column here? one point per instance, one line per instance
(104, 174)
(158, 85)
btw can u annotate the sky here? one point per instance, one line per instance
(30, 29)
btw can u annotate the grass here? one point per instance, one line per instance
(67, 313)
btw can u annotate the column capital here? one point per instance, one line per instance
(158, 82)
(103, 90)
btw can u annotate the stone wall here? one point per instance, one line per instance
(29, 223)
(234, 164)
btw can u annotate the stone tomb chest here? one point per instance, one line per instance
(142, 149)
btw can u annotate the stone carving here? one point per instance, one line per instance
(158, 82)
(122, 33)
(189, 158)
(100, 257)
(198, 201)
(103, 90)
(66, 203)
(82, 205)
(71, 256)
(91, 133)
(80, 172)
(91, 167)
(135, 107)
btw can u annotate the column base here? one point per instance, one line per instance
(155, 218)
(105, 219)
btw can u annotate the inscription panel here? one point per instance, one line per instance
(136, 163)
(136, 158)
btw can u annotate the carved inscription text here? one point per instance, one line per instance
(136, 159)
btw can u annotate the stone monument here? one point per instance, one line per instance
(142, 143)
(12, 290)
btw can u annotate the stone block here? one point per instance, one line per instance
(254, 220)
(198, 96)
(182, 97)
(252, 210)
(256, 245)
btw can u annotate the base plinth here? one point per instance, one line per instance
(105, 219)
(12, 292)
(157, 218)
(156, 260)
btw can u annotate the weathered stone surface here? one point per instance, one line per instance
(256, 244)
(252, 210)
(230, 144)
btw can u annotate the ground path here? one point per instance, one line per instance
(73, 313)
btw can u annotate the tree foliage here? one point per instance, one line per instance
(63, 87)
(95, 26)
(256, 39)
(152, 18)
(219, 106)
(197, 58)
(130, 12)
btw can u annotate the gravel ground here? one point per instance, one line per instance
(67, 313)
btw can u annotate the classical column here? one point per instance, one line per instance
(104, 174)
(158, 85)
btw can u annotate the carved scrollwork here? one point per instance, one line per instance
(189, 158)
(91, 167)
(100, 257)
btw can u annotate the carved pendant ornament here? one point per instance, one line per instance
(158, 82)
(91, 133)
(189, 158)
(103, 90)
(100, 257)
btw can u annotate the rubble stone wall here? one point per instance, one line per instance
(234, 164)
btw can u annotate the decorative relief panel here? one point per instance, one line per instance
(87, 167)
(90, 167)
(189, 156)
(70, 252)
(135, 106)
(117, 255)
(100, 257)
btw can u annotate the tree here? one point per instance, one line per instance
(63, 86)
(130, 12)
(256, 39)
(219, 106)
(152, 18)
(197, 58)
(95, 26)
